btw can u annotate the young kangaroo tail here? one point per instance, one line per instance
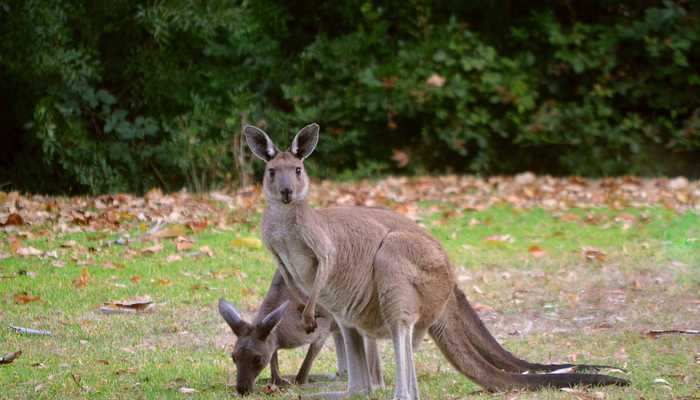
(494, 353)
(451, 333)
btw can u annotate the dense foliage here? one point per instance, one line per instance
(124, 95)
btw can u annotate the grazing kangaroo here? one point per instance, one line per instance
(278, 325)
(381, 276)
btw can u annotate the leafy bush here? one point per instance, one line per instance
(116, 96)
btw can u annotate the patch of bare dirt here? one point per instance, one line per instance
(580, 298)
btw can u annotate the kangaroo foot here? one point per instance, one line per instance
(326, 396)
(335, 395)
(343, 376)
(280, 382)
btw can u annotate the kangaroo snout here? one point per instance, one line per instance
(286, 195)
(242, 389)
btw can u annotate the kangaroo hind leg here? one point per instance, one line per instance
(406, 385)
(359, 381)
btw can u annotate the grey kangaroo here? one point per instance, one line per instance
(278, 325)
(381, 276)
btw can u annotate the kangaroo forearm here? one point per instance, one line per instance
(322, 272)
(294, 291)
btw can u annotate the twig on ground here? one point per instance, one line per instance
(30, 331)
(654, 333)
(76, 379)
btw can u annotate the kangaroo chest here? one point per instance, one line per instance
(296, 257)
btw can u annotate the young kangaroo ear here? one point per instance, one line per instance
(271, 320)
(233, 317)
(260, 144)
(305, 141)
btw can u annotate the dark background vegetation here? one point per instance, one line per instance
(103, 96)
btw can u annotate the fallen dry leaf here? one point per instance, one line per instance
(500, 239)
(570, 217)
(164, 282)
(129, 306)
(207, 251)
(135, 279)
(525, 178)
(29, 252)
(171, 231)
(183, 245)
(593, 254)
(270, 388)
(678, 183)
(198, 226)
(24, 298)
(9, 358)
(536, 251)
(156, 248)
(584, 395)
(15, 244)
(172, 258)
(82, 280)
(13, 219)
(250, 242)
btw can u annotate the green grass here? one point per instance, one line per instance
(649, 279)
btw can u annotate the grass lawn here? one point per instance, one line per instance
(582, 285)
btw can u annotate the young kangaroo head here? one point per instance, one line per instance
(285, 179)
(255, 344)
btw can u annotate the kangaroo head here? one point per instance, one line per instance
(255, 344)
(285, 178)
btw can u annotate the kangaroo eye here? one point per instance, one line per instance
(271, 171)
(298, 171)
(233, 357)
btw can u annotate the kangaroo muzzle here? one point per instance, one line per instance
(286, 195)
(242, 390)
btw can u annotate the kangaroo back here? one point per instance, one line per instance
(453, 332)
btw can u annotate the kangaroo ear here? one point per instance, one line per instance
(271, 320)
(260, 144)
(233, 317)
(305, 141)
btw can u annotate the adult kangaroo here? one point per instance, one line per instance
(381, 276)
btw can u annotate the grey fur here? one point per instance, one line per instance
(382, 276)
(278, 325)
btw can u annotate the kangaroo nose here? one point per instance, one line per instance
(242, 390)
(286, 195)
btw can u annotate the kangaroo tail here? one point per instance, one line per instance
(493, 352)
(451, 332)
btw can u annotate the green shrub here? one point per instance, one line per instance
(123, 96)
